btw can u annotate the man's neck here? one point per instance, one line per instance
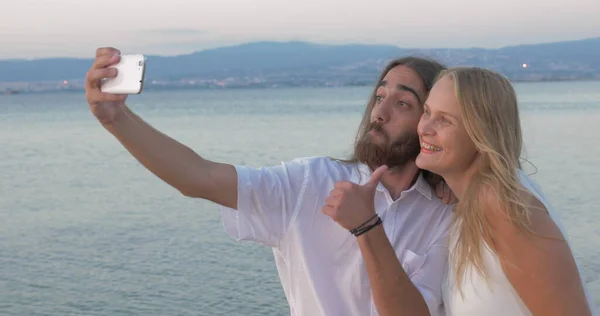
(397, 180)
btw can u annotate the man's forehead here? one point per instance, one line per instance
(404, 79)
(406, 76)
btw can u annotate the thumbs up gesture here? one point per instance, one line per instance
(350, 204)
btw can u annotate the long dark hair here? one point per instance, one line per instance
(427, 69)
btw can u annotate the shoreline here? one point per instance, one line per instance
(150, 87)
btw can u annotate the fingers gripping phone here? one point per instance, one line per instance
(131, 70)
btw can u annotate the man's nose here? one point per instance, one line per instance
(381, 112)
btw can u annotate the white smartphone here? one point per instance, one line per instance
(131, 71)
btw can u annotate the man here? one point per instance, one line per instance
(393, 259)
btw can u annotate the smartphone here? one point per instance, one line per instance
(131, 71)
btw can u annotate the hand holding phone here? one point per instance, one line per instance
(131, 70)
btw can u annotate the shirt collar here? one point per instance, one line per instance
(362, 174)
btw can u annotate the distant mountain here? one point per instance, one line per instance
(251, 57)
(548, 61)
(578, 59)
(263, 57)
(43, 69)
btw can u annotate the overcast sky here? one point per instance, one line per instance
(49, 28)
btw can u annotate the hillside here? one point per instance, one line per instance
(308, 63)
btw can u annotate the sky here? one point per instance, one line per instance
(75, 28)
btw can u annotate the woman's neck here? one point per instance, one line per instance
(459, 181)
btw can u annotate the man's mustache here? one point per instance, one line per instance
(378, 127)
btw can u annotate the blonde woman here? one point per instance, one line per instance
(509, 254)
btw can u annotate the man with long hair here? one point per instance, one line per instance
(361, 236)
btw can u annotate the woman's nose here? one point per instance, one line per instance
(425, 126)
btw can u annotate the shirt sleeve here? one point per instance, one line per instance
(268, 200)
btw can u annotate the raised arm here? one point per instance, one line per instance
(171, 161)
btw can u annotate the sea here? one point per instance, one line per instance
(86, 230)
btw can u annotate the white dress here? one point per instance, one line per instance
(498, 297)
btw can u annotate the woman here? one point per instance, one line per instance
(509, 255)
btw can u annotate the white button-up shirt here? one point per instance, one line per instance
(320, 265)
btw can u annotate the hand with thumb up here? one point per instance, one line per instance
(352, 205)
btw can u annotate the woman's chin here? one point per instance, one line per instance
(425, 163)
(422, 162)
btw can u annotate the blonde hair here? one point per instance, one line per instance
(490, 115)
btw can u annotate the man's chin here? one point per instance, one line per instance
(375, 135)
(377, 142)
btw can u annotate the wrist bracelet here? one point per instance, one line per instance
(353, 231)
(363, 230)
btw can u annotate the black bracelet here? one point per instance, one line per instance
(353, 231)
(368, 228)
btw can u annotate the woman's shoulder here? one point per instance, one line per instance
(529, 208)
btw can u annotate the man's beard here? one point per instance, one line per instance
(394, 154)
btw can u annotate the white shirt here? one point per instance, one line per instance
(319, 262)
(499, 298)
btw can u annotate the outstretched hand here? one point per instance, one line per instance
(350, 204)
(104, 106)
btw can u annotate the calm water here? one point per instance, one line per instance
(86, 230)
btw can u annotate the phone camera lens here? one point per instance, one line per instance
(141, 63)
